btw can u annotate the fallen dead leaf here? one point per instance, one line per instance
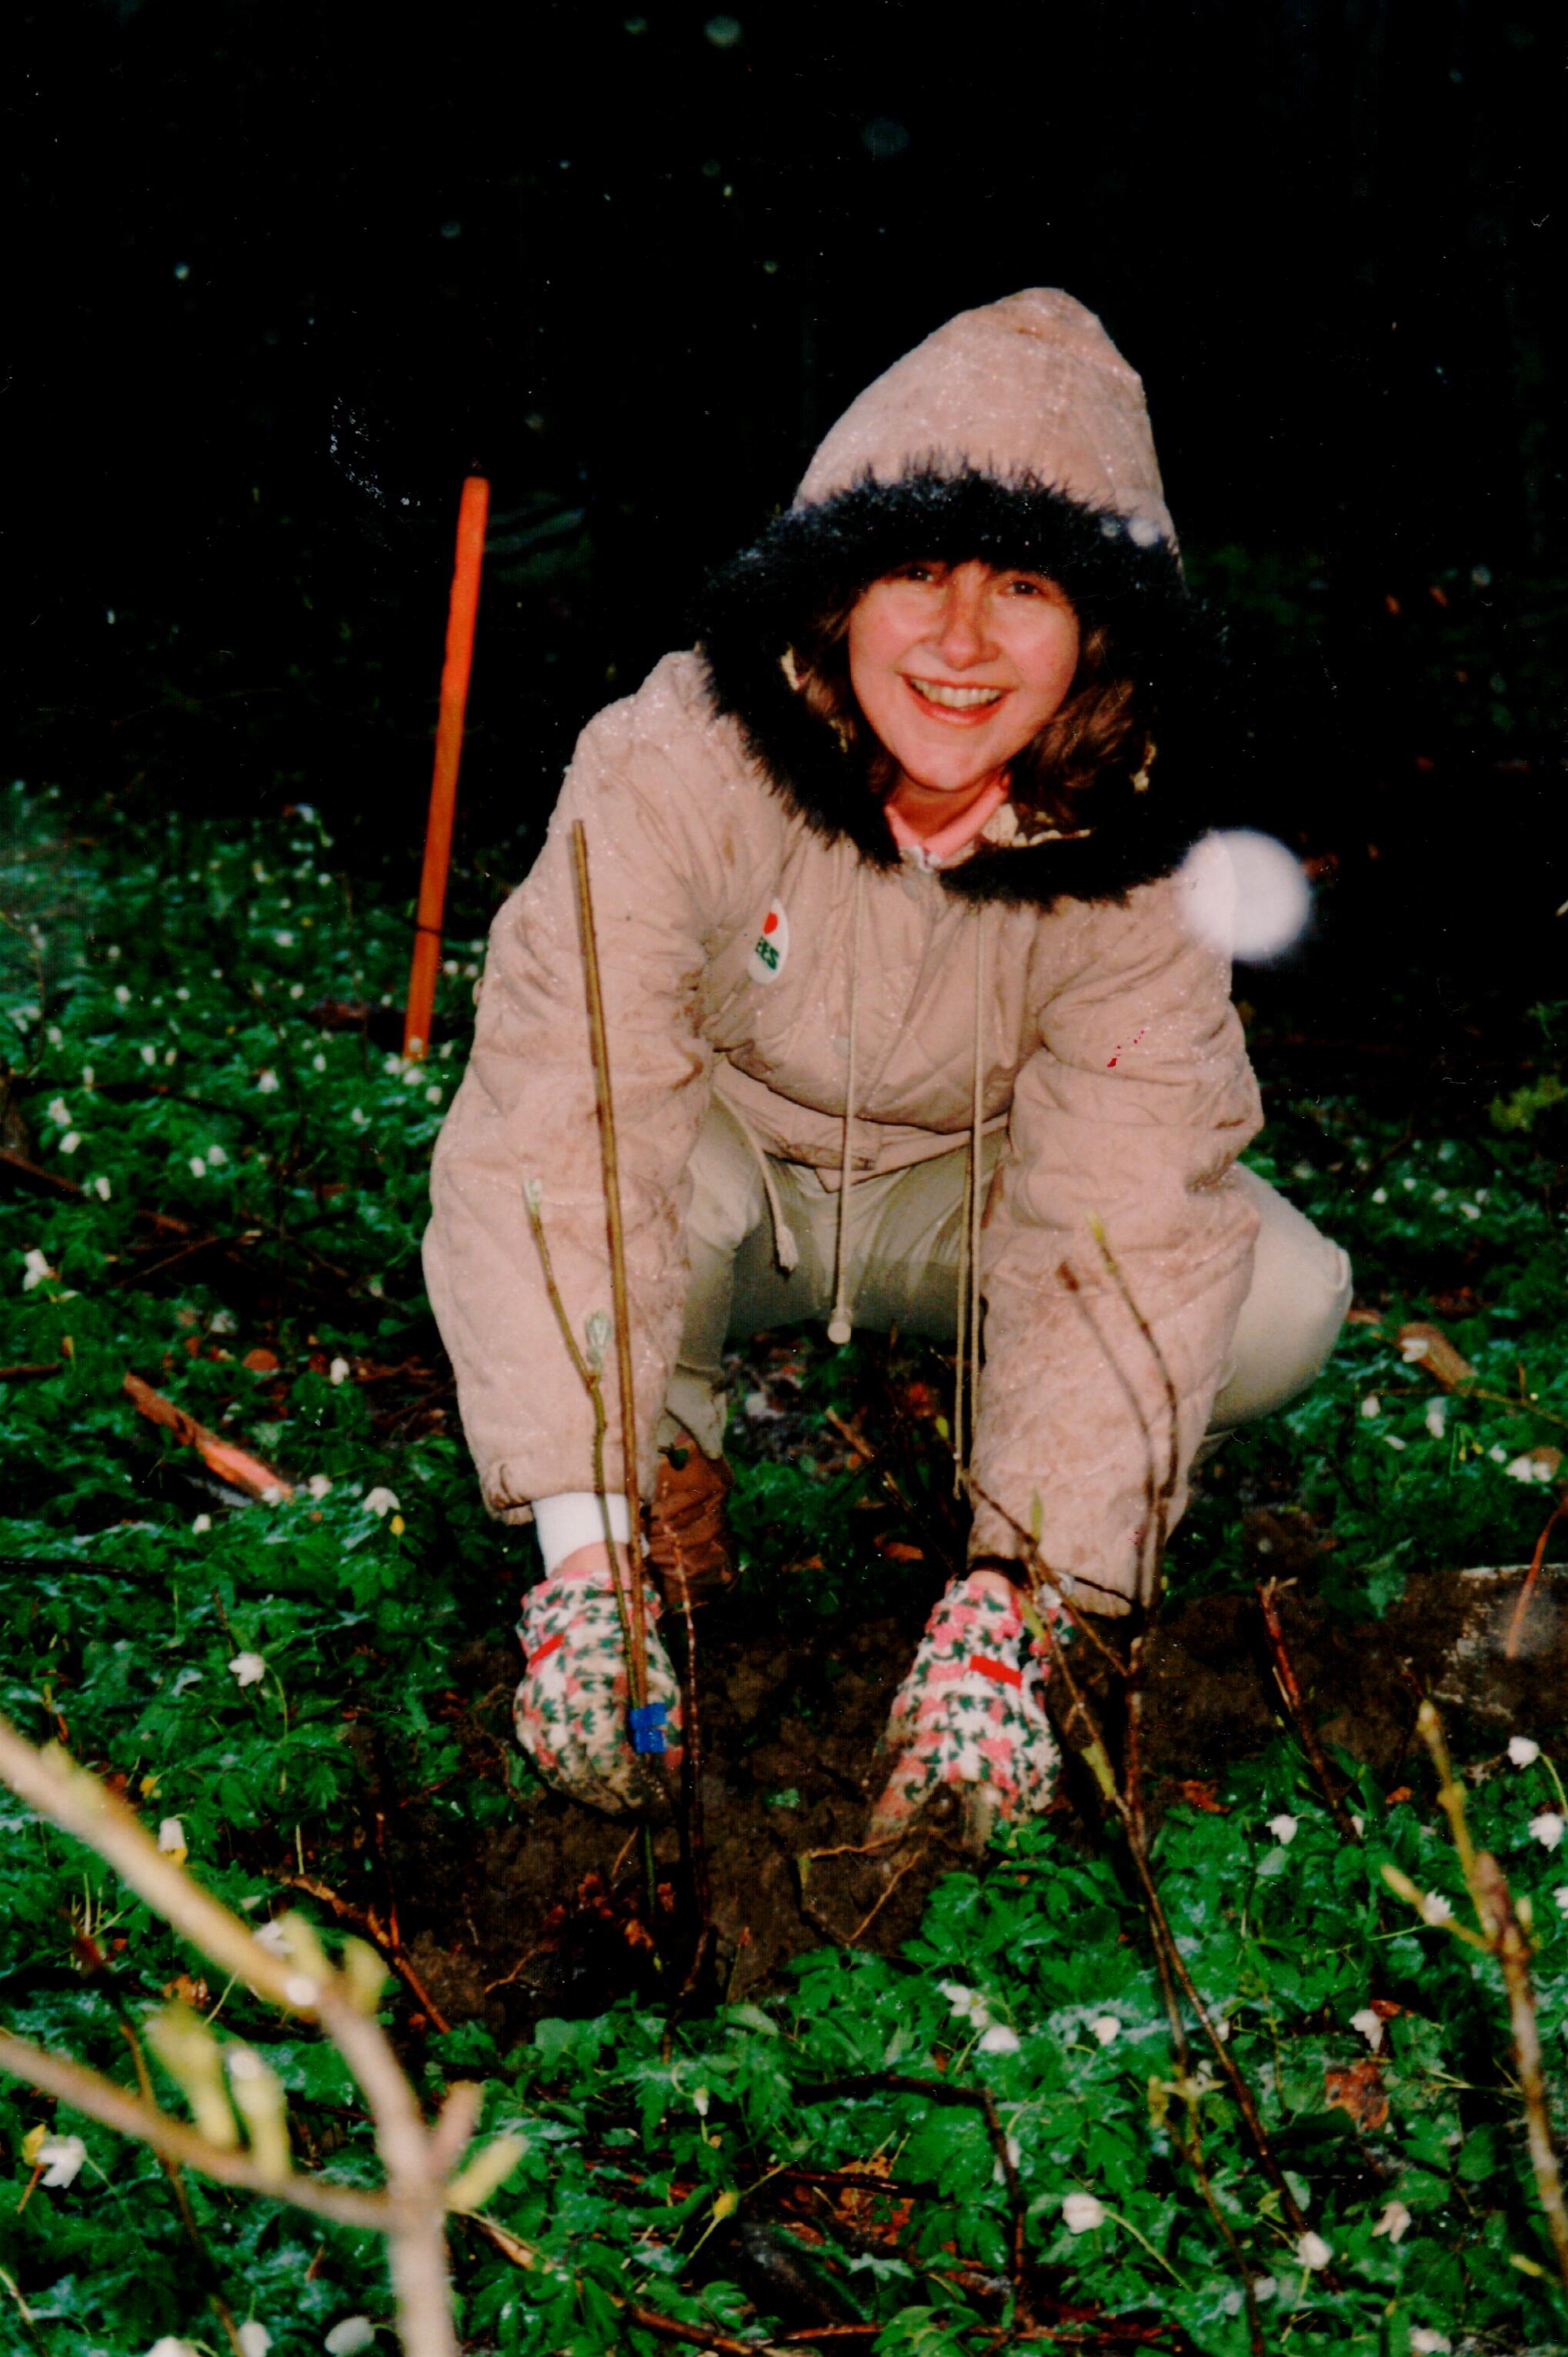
(1359, 2091)
(1426, 1346)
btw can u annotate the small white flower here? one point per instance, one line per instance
(1415, 1347)
(354, 2333)
(357, 1115)
(967, 2004)
(61, 2159)
(59, 1112)
(391, 1066)
(433, 1095)
(254, 2339)
(1000, 2039)
(275, 1940)
(1083, 2212)
(70, 1141)
(1371, 1406)
(1106, 2028)
(700, 2102)
(216, 1158)
(320, 1485)
(284, 940)
(411, 1075)
(1312, 2251)
(1498, 1454)
(1523, 1750)
(267, 1081)
(337, 1372)
(1436, 1417)
(121, 995)
(1520, 1468)
(248, 1669)
(1435, 1909)
(381, 1501)
(1264, 2287)
(38, 1269)
(1394, 2222)
(149, 1055)
(1471, 1210)
(203, 1523)
(1359, 1823)
(1379, 1194)
(1426, 2343)
(171, 1839)
(169, 2347)
(1015, 2154)
(1371, 2025)
(198, 1167)
(102, 1187)
(1547, 1828)
(319, 1062)
(1392, 1440)
(1561, 1895)
(1283, 1829)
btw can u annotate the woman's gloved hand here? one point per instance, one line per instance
(970, 1714)
(571, 1708)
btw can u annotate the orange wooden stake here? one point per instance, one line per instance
(460, 618)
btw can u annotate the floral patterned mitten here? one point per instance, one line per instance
(571, 1710)
(971, 1715)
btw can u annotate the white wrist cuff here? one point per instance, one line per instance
(574, 1519)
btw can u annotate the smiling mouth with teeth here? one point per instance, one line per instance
(956, 699)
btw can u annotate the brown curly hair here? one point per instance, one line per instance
(1097, 730)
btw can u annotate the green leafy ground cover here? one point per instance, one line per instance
(252, 1182)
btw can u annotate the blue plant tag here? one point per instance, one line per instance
(648, 1729)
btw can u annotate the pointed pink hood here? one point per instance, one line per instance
(1028, 386)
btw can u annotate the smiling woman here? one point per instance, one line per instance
(955, 668)
(909, 1029)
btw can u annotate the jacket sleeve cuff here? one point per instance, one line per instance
(574, 1519)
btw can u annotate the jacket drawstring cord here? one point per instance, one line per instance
(841, 1324)
(966, 1370)
(786, 1248)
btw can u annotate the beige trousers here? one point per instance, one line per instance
(906, 1239)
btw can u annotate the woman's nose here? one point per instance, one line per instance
(962, 637)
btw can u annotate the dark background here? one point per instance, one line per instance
(284, 272)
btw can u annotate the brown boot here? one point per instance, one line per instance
(688, 1539)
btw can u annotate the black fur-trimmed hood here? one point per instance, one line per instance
(1114, 561)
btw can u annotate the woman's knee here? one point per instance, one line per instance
(727, 1198)
(1301, 1289)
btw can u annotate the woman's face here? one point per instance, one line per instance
(957, 666)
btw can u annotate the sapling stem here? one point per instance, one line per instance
(587, 1372)
(412, 2211)
(604, 1093)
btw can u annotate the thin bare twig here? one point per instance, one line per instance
(1190, 2144)
(980, 2099)
(668, 2328)
(383, 1937)
(100, 2098)
(1515, 1626)
(1502, 1935)
(1295, 1704)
